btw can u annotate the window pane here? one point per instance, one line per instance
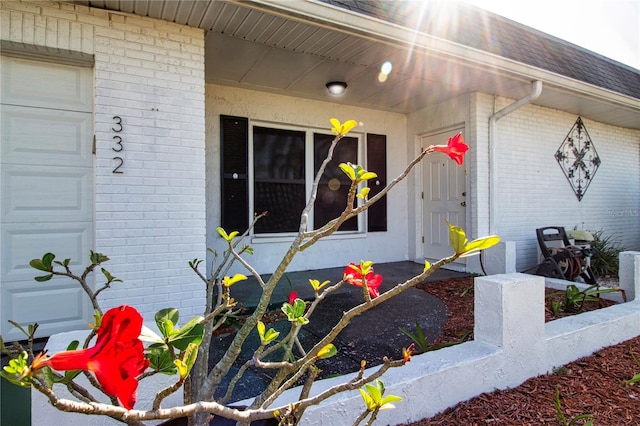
(334, 184)
(279, 179)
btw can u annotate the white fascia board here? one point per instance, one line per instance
(374, 29)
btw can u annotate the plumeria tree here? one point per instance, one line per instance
(114, 359)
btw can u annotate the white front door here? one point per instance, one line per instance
(444, 197)
(47, 202)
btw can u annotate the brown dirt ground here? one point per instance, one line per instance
(593, 385)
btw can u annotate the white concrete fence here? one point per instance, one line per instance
(512, 343)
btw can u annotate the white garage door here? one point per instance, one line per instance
(46, 176)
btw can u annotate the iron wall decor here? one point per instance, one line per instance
(578, 158)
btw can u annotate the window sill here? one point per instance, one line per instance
(288, 238)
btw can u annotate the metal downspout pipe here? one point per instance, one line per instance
(536, 90)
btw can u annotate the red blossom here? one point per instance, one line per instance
(353, 275)
(455, 148)
(117, 358)
(292, 297)
(407, 352)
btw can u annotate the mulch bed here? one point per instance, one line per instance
(593, 385)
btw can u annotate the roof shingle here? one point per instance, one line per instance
(483, 30)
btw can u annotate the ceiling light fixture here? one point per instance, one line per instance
(336, 88)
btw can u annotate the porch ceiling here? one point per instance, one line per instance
(254, 45)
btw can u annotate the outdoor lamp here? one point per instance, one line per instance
(336, 88)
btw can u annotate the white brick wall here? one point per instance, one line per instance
(150, 220)
(533, 191)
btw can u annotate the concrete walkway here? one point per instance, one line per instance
(370, 336)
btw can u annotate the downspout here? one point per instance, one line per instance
(536, 90)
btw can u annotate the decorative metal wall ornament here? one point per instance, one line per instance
(578, 158)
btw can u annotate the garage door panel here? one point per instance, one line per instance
(22, 243)
(46, 137)
(56, 86)
(47, 191)
(46, 194)
(57, 305)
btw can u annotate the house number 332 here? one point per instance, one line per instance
(117, 144)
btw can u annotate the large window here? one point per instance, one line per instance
(283, 176)
(279, 184)
(281, 163)
(334, 185)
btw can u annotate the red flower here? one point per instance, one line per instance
(117, 358)
(455, 148)
(407, 352)
(353, 275)
(292, 297)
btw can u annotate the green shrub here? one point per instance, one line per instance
(605, 261)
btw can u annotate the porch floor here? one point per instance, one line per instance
(370, 336)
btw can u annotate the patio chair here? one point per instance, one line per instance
(561, 259)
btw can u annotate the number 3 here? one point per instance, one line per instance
(118, 123)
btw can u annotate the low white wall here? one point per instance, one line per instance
(512, 343)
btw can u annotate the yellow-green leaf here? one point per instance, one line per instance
(348, 170)
(457, 237)
(317, 285)
(182, 368)
(367, 176)
(223, 234)
(364, 192)
(368, 402)
(473, 247)
(342, 129)
(261, 328)
(229, 281)
(327, 351)
(335, 125)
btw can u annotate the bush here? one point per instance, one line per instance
(605, 262)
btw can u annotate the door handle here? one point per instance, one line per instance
(463, 204)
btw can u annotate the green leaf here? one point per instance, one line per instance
(73, 345)
(43, 278)
(110, 278)
(19, 327)
(160, 360)
(37, 264)
(67, 378)
(17, 371)
(195, 263)
(295, 312)
(97, 258)
(190, 333)
(63, 263)
(47, 260)
(166, 319)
